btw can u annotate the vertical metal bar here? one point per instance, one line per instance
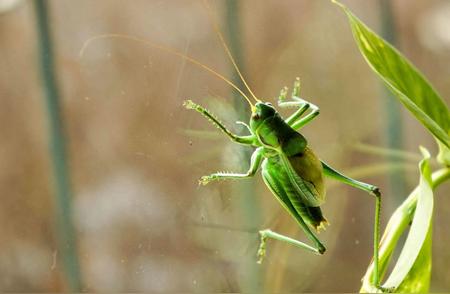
(248, 202)
(393, 125)
(65, 229)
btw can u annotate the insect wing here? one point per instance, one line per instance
(280, 186)
(276, 187)
(309, 167)
(306, 190)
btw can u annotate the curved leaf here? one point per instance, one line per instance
(418, 278)
(403, 79)
(410, 261)
(444, 155)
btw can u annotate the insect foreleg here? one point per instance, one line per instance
(255, 162)
(245, 140)
(329, 171)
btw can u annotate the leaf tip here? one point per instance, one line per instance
(338, 3)
(425, 152)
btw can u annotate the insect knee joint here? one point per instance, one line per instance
(376, 192)
(321, 249)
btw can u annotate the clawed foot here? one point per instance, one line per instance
(378, 289)
(206, 179)
(386, 290)
(261, 254)
(295, 91)
(189, 104)
(283, 94)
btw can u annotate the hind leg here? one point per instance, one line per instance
(373, 190)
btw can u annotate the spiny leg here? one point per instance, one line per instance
(295, 120)
(373, 190)
(245, 140)
(265, 234)
(255, 162)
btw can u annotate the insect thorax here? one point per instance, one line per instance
(274, 133)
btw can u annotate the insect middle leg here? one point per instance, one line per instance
(266, 234)
(255, 162)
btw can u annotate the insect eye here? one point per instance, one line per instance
(268, 103)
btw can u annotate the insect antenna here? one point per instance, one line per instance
(165, 49)
(225, 46)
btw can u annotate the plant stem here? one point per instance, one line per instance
(393, 127)
(65, 229)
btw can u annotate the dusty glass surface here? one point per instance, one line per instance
(134, 154)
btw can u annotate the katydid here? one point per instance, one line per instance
(289, 167)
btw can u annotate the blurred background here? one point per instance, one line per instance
(99, 161)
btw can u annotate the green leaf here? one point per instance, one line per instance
(415, 257)
(418, 278)
(403, 79)
(443, 156)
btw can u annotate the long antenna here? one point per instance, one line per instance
(166, 49)
(224, 44)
